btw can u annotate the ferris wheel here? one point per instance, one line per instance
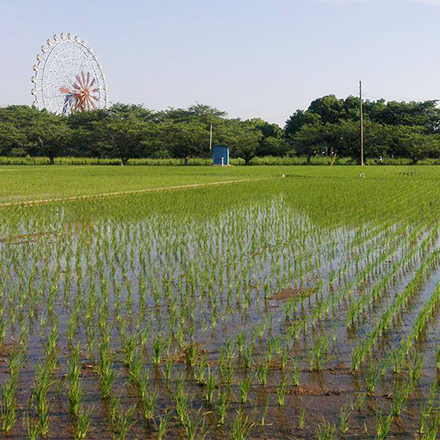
(68, 77)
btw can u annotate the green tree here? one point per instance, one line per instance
(121, 135)
(12, 140)
(310, 140)
(49, 135)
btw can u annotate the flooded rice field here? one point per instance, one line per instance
(298, 308)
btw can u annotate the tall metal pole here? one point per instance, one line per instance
(210, 138)
(362, 123)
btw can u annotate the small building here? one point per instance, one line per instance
(220, 155)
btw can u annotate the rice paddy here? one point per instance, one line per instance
(295, 307)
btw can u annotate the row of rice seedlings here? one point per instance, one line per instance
(8, 409)
(383, 323)
(397, 356)
(429, 413)
(43, 381)
(75, 394)
(359, 305)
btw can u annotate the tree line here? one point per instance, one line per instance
(330, 126)
(391, 129)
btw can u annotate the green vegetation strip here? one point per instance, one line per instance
(124, 193)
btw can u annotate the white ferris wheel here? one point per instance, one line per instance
(68, 77)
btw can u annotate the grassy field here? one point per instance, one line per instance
(298, 303)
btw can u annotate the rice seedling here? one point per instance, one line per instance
(371, 377)
(383, 425)
(163, 426)
(149, 401)
(244, 386)
(318, 355)
(8, 410)
(344, 416)
(261, 372)
(242, 426)
(121, 420)
(427, 409)
(158, 346)
(210, 386)
(295, 374)
(83, 422)
(281, 392)
(169, 364)
(302, 418)
(326, 431)
(222, 406)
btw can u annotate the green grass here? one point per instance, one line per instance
(42, 182)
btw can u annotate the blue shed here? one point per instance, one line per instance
(220, 155)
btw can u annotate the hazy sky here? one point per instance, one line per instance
(251, 58)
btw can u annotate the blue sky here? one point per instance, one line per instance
(251, 58)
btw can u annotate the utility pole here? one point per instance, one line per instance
(362, 123)
(210, 138)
